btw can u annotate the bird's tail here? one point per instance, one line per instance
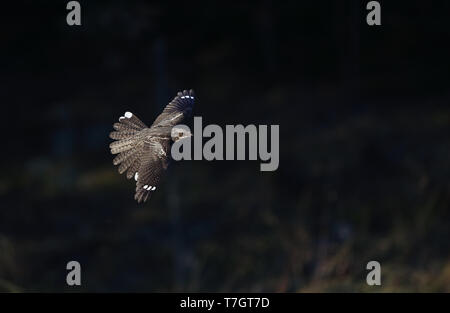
(126, 145)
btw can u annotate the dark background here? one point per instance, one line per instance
(364, 146)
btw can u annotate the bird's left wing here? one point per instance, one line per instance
(177, 110)
(154, 161)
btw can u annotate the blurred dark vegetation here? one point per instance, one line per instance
(364, 173)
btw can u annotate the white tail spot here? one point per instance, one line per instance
(136, 176)
(128, 114)
(153, 188)
(145, 187)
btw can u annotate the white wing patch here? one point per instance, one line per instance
(147, 187)
(127, 115)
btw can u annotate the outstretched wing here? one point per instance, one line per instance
(154, 161)
(128, 145)
(177, 110)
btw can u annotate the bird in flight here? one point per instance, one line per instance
(144, 152)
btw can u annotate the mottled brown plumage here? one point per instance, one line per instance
(143, 152)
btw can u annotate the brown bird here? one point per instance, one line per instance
(143, 152)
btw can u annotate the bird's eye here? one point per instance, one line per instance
(180, 134)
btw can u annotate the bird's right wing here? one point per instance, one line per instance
(177, 110)
(127, 145)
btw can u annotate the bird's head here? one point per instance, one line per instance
(180, 132)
